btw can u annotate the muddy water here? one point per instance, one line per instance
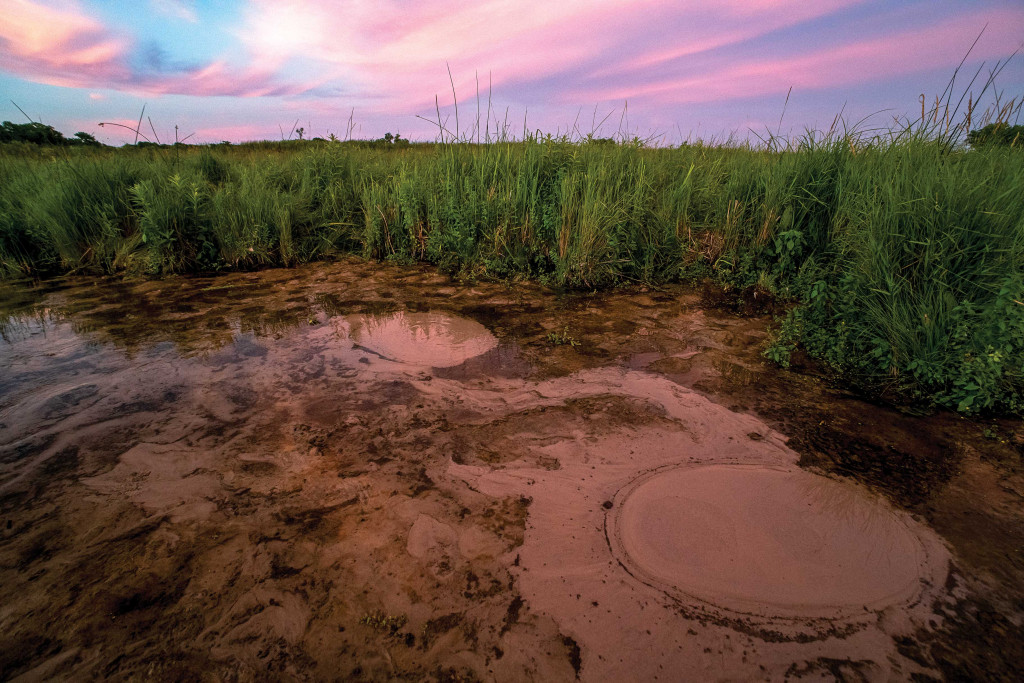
(354, 471)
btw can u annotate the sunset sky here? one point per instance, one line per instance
(246, 69)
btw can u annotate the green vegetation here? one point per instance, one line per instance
(388, 624)
(41, 134)
(1000, 134)
(903, 254)
(562, 338)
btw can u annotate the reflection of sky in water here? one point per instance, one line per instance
(203, 315)
(426, 339)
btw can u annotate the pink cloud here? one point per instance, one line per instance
(939, 46)
(389, 57)
(220, 78)
(59, 46)
(62, 46)
(398, 50)
(716, 25)
(237, 133)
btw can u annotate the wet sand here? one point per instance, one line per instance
(355, 471)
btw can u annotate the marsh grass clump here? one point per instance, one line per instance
(902, 252)
(921, 286)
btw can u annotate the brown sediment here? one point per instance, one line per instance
(220, 477)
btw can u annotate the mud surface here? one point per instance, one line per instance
(355, 471)
(772, 541)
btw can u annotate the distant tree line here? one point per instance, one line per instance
(994, 134)
(997, 135)
(41, 134)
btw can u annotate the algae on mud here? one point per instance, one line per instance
(199, 479)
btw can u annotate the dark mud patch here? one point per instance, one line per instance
(26, 448)
(258, 468)
(151, 404)
(150, 592)
(750, 301)
(317, 520)
(438, 626)
(498, 442)
(61, 464)
(837, 669)
(911, 472)
(575, 654)
(17, 653)
(61, 405)
(515, 320)
(961, 654)
(333, 305)
(37, 549)
(246, 346)
(512, 613)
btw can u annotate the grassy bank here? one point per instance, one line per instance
(906, 256)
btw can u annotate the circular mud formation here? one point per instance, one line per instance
(437, 340)
(772, 542)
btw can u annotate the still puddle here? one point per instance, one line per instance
(430, 339)
(368, 472)
(775, 542)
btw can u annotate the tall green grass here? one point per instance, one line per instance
(904, 254)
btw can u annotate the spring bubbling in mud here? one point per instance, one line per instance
(772, 541)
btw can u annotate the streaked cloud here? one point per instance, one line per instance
(242, 132)
(178, 9)
(399, 51)
(941, 45)
(389, 58)
(60, 44)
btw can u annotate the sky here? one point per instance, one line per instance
(664, 70)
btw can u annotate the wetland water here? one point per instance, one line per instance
(357, 471)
